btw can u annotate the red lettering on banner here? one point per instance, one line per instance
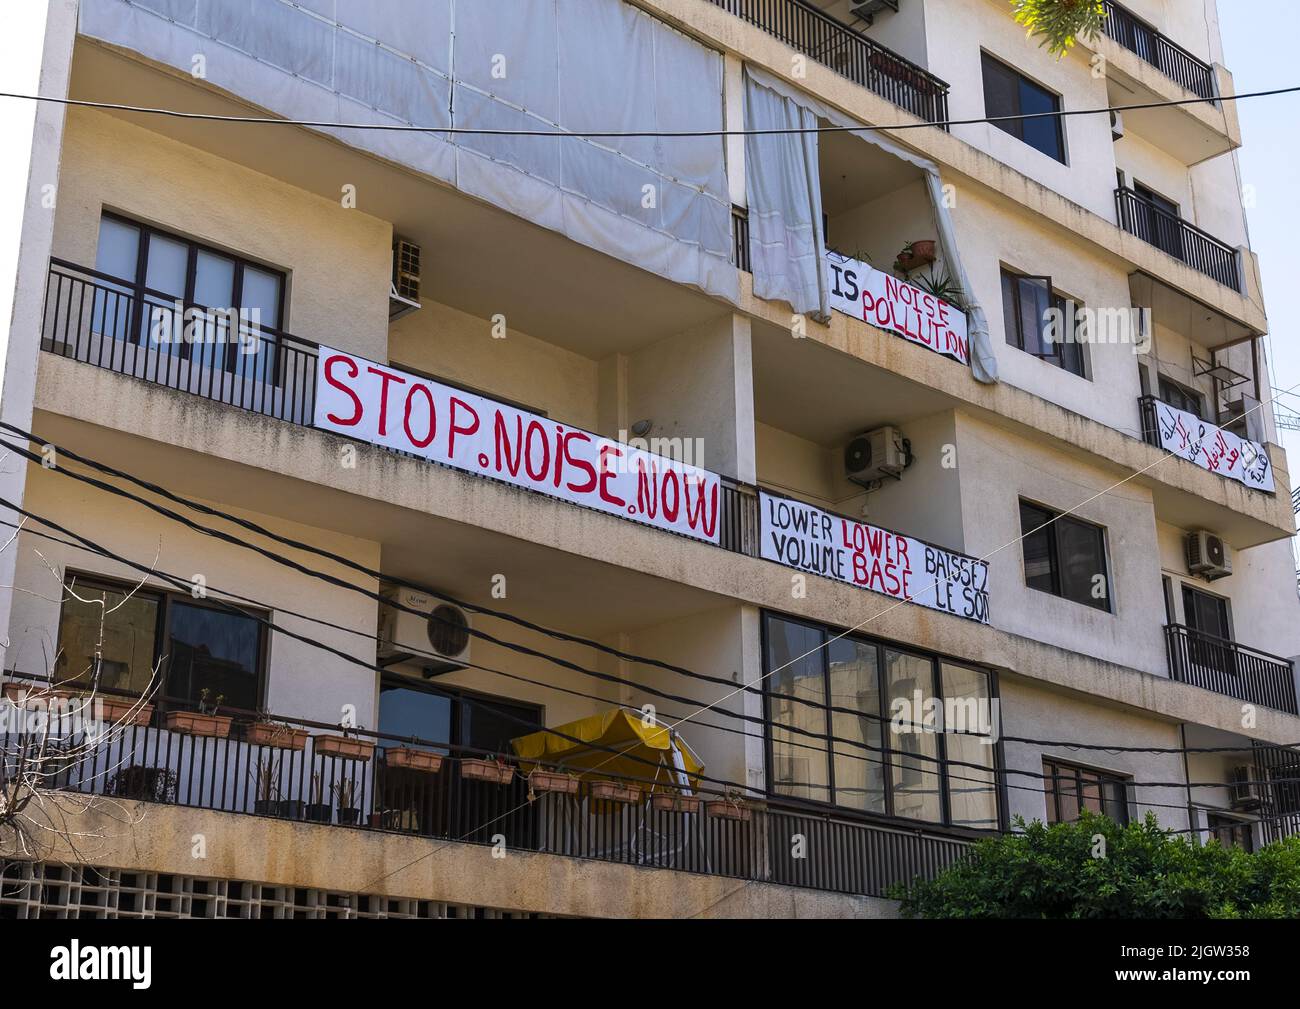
(647, 490)
(698, 517)
(606, 474)
(456, 428)
(502, 437)
(384, 378)
(353, 371)
(535, 428)
(580, 463)
(406, 416)
(559, 456)
(670, 480)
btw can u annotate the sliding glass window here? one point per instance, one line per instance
(867, 726)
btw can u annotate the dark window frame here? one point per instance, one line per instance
(1056, 771)
(193, 248)
(887, 757)
(1068, 355)
(166, 598)
(1054, 522)
(1226, 828)
(458, 696)
(992, 68)
(1168, 390)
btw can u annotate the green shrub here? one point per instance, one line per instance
(1097, 869)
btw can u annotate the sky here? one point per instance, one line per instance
(1259, 50)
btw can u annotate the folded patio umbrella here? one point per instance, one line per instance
(617, 729)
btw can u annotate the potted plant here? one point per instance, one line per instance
(914, 255)
(266, 791)
(493, 770)
(124, 710)
(942, 287)
(345, 799)
(140, 781)
(614, 791)
(318, 810)
(204, 722)
(674, 802)
(281, 736)
(413, 759)
(546, 780)
(731, 807)
(344, 747)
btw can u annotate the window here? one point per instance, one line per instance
(831, 701)
(1210, 624)
(1230, 831)
(158, 269)
(1069, 789)
(1036, 320)
(194, 645)
(1064, 556)
(1181, 397)
(1007, 93)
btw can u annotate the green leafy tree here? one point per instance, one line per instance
(1095, 868)
(1060, 22)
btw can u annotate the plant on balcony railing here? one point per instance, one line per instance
(1059, 24)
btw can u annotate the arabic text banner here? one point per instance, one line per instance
(1210, 447)
(388, 407)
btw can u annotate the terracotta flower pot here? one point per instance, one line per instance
(553, 781)
(726, 809)
(344, 747)
(125, 710)
(17, 692)
(282, 737)
(671, 802)
(473, 769)
(613, 791)
(412, 759)
(195, 723)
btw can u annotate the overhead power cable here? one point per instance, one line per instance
(631, 134)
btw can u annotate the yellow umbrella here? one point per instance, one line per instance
(617, 729)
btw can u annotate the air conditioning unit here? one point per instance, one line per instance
(435, 637)
(404, 288)
(875, 455)
(868, 9)
(1208, 556)
(1117, 126)
(1244, 792)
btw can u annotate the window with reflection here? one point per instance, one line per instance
(1070, 788)
(853, 723)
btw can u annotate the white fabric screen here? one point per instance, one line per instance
(772, 199)
(785, 201)
(551, 65)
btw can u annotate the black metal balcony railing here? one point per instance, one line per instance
(233, 775)
(212, 353)
(848, 52)
(1229, 668)
(1181, 239)
(1175, 62)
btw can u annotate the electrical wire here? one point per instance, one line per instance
(633, 134)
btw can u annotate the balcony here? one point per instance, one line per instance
(1229, 668)
(1175, 62)
(294, 770)
(849, 53)
(1208, 446)
(1177, 237)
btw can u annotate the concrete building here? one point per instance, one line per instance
(776, 440)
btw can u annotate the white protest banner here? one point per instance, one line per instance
(868, 294)
(478, 435)
(804, 537)
(1210, 447)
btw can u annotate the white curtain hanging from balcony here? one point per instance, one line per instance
(555, 65)
(781, 179)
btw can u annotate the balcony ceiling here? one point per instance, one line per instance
(819, 394)
(1186, 316)
(854, 172)
(477, 258)
(1173, 129)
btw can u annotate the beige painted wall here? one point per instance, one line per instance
(338, 260)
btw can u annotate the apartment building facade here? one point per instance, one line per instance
(659, 374)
